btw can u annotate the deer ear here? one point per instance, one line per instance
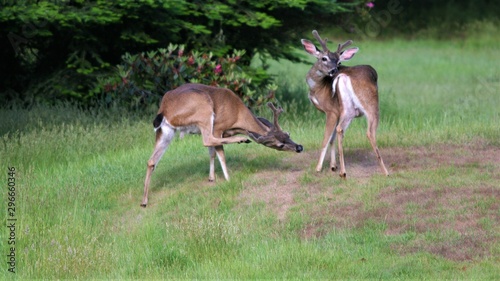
(265, 122)
(348, 54)
(310, 47)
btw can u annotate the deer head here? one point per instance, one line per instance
(328, 61)
(275, 137)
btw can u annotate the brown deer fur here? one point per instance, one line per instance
(220, 115)
(342, 93)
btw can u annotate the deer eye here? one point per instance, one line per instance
(324, 59)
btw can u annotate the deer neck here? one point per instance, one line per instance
(248, 123)
(255, 129)
(320, 86)
(256, 126)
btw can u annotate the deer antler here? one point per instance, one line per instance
(321, 41)
(276, 113)
(342, 46)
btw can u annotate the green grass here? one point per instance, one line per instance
(80, 174)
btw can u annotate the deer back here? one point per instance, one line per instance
(221, 112)
(195, 104)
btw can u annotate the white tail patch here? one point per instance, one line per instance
(352, 105)
(164, 123)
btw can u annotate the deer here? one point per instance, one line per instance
(221, 117)
(342, 93)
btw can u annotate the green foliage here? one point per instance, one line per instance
(84, 39)
(143, 78)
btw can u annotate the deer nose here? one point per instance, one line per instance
(299, 148)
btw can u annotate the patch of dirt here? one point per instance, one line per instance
(276, 188)
(277, 193)
(458, 221)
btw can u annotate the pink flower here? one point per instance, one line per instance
(370, 5)
(218, 69)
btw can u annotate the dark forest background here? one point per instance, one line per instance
(126, 52)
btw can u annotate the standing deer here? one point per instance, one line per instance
(220, 115)
(342, 93)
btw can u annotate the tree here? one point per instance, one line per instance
(56, 49)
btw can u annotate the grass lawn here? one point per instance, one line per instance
(79, 182)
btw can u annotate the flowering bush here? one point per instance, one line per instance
(143, 78)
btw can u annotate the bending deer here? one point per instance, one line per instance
(342, 93)
(220, 115)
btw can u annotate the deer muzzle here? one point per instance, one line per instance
(299, 148)
(332, 72)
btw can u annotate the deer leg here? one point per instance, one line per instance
(340, 137)
(222, 160)
(219, 150)
(371, 134)
(209, 139)
(333, 162)
(211, 173)
(328, 137)
(213, 141)
(164, 136)
(341, 128)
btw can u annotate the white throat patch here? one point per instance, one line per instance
(311, 82)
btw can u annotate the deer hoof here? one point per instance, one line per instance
(334, 168)
(143, 205)
(343, 175)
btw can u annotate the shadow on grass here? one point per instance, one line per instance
(170, 173)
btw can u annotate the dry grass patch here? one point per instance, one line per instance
(435, 194)
(275, 191)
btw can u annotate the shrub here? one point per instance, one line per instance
(143, 78)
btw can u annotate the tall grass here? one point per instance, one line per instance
(80, 177)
